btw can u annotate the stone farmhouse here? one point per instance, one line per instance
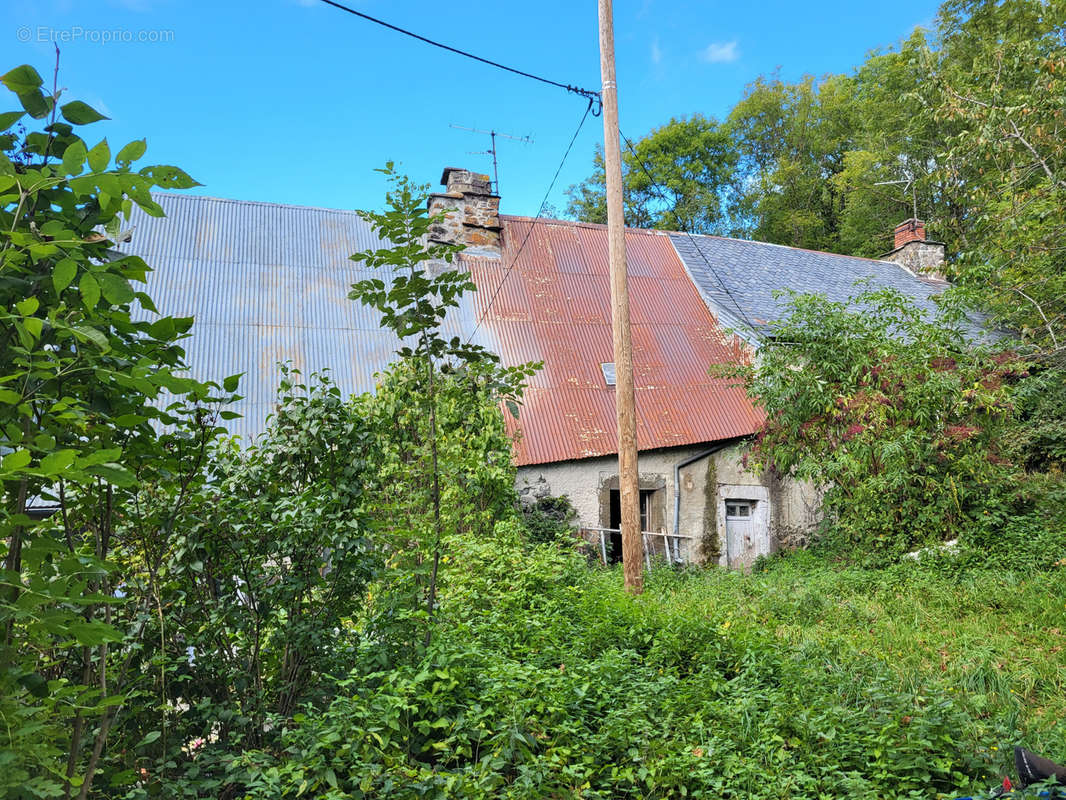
(268, 283)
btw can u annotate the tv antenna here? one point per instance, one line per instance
(908, 186)
(493, 134)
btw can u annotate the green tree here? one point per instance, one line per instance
(998, 83)
(422, 286)
(892, 170)
(259, 585)
(792, 140)
(679, 177)
(92, 406)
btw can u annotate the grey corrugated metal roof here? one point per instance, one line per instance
(266, 283)
(753, 271)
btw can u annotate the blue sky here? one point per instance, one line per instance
(292, 101)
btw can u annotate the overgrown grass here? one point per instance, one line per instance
(799, 681)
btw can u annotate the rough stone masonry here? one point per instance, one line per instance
(471, 212)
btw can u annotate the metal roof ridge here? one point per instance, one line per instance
(579, 224)
(660, 232)
(285, 265)
(182, 196)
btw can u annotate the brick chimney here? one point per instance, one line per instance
(472, 212)
(910, 230)
(918, 254)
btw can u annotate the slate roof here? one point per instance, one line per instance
(752, 271)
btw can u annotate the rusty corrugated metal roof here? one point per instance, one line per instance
(268, 282)
(554, 306)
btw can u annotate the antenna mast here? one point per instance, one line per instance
(908, 185)
(492, 134)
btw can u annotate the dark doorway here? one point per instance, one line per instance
(614, 547)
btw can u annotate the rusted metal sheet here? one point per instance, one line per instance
(268, 283)
(553, 304)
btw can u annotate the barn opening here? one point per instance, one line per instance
(650, 514)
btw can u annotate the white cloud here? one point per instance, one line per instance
(656, 52)
(721, 52)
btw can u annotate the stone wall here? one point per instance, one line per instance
(793, 507)
(921, 258)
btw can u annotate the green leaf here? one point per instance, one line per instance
(173, 383)
(9, 118)
(28, 306)
(93, 633)
(146, 302)
(74, 158)
(100, 457)
(34, 326)
(36, 104)
(10, 397)
(90, 290)
(93, 335)
(131, 152)
(114, 474)
(64, 273)
(149, 737)
(22, 79)
(100, 157)
(34, 684)
(230, 383)
(162, 328)
(132, 267)
(149, 206)
(16, 460)
(57, 462)
(116, 289)
(168, 177)
(80, 113)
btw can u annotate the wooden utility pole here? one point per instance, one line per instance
(628, 488)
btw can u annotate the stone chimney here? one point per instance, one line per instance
(472, 212)
(915, 252)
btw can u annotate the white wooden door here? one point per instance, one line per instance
(742, 545)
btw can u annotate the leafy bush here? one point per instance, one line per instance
(548, 519)
(547, 680)
(259, 576)
(445, 449)
(1040, 439)
(902, 418)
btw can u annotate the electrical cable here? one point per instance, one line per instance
(533, 224)
(692, 240)
(593, 96)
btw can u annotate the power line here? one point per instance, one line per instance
(540, 213)
(692, 240)
(593, 96)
